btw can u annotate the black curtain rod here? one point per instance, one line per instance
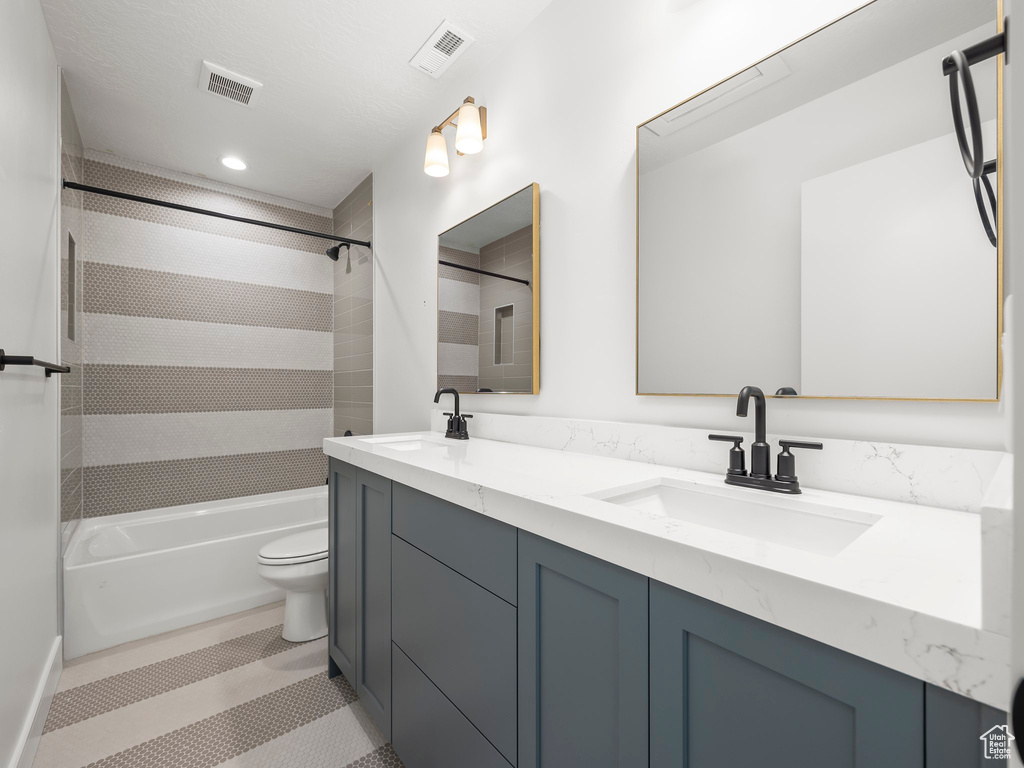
(483, 272)
(204, 212)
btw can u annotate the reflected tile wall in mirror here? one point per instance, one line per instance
(486, 326)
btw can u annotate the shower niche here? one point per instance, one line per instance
(488, 330)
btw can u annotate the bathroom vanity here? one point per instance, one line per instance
(497, 604)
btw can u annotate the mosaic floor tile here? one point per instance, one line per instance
(309, 721)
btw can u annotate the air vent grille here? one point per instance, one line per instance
(222, 82)
(448, 43)
(229, 89)
(445, 45)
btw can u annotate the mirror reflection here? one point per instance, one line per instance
(488, 334)
(809, 225)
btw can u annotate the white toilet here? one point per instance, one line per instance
(298, 565)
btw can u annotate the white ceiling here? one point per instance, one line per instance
(337, 83)
(874, 38)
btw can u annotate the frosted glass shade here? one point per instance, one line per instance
(469, 136)
(436, 161)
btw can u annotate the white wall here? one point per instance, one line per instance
(722, 250)
(29, 402)
(563, 104)
(897, 279)
(1013, 218)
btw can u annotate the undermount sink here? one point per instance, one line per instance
(406, 442)
(788, 521)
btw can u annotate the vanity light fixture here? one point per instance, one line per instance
(436, 161)
(470, 123)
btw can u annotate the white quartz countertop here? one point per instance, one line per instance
(906, 593)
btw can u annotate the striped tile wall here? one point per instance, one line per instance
(458, 321)
(71, 204)
(511, 255)
(207, 344)
(353, 315)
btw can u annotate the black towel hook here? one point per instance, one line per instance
(6, 360)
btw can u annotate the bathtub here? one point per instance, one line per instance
(138, 574)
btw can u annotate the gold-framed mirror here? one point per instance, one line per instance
(808, 225)
(488, 299)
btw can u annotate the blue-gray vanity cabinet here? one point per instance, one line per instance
(430, 731)
(360, 585)
(954, 726)
(373, 597)
(582, 660)
(481, 549)
(729, 689)
(341, 566)
(461, 636)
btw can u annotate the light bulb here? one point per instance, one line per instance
(234, 163)
(469, 136)
(436, 161)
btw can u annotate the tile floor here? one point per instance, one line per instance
(228, 692)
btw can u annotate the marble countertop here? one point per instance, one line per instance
(905, 594)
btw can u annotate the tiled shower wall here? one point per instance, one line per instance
(353, 315)
(207, 343)
(73, 167)
(458, 321)
(511, 255)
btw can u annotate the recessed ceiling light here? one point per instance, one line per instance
(234, 163)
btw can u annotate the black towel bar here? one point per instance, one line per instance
(50, 368)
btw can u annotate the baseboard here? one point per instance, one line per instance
(32, 731)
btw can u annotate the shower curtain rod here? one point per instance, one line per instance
(444, 263)
(204, 212)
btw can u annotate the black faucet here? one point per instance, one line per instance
(457, 428)
(785, 480)
(760, 451)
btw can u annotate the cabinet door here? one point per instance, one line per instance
(373, 596)
(728, 689)
(953, 728)
(341, 561)
(582, 660)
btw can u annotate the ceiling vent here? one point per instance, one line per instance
(443, 47)
(228, 85)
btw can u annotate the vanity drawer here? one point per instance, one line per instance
(479, 548)
(427, 730)
(461, 636)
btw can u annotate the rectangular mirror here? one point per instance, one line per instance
(488, 299)
(808, 225)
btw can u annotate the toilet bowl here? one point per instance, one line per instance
(298, 565)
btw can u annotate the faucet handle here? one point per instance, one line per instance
(787, 444)
(737, 458)
(736, 440)
(786, 468)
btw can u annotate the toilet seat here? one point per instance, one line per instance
(306, 547)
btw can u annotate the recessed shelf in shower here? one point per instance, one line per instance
(503, 321)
